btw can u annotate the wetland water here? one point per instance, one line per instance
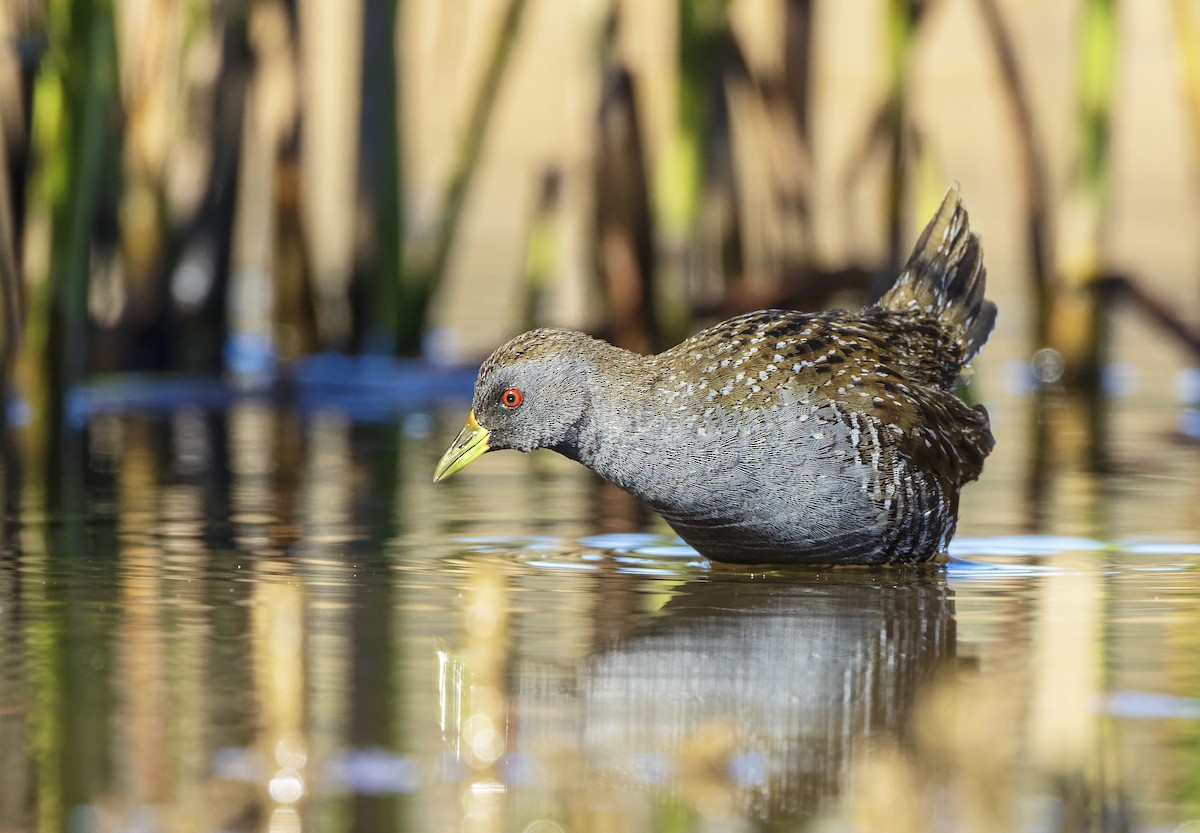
(253, 619)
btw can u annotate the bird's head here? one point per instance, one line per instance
(531, 393)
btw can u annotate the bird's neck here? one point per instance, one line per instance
(609, 437)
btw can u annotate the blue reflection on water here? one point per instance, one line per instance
(374, 771)
(366, 388)
(1023, 545)
(970, 558)
(1142, 704)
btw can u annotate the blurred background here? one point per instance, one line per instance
(251, 252)
(223, 189)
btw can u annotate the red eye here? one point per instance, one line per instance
(511, 398)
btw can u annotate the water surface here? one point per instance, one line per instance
(269, 619)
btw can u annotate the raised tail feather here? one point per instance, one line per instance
(945, 278)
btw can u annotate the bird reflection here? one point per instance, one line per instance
(753, 697)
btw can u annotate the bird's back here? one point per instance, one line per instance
(850, 436)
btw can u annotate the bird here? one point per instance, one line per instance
(776, 436)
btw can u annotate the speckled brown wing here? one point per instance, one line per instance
(812, 347)
(890, 370)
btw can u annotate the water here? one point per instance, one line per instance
(269, 619)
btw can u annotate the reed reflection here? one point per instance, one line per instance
(15, 730)
(747, 697)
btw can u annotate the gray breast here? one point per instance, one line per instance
(746, 482)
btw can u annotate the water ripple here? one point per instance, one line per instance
(970, 558)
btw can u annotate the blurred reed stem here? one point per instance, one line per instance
(382, 175)
(889, 129)
(22, 26)
(703, 24)
(1096, 75)
(796, 94)
(624, 229)
(1032, 169)
(1077, 319)
(73, 101)
(901, 22)
(797, 56)
(1078, 310)
(10, 292)
(1187, 51)
(425, 268)
(1186, 29)
(329, 41)
(542, 244)
(686, 170)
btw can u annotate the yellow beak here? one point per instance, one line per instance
(471, 442)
